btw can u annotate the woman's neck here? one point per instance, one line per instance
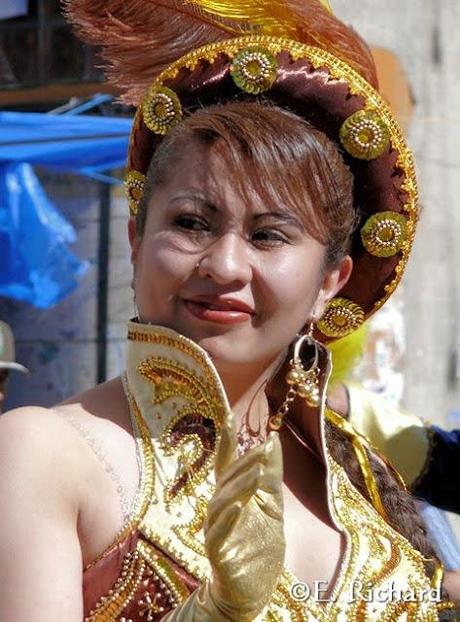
(245, 391)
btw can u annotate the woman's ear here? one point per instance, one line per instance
(333, 281)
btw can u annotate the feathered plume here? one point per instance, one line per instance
(140, 38)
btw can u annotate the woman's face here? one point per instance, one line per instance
(241, 279)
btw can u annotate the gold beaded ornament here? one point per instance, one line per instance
(161, 110)
(384, 234)
(341, 318)
(254, 70)
(134, 186)
(365, 135)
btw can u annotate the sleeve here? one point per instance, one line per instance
(402, 437)
(439, 483)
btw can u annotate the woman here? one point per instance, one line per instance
(251, 163)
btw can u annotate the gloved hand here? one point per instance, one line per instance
(244, 536)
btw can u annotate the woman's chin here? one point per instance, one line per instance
(227, 351)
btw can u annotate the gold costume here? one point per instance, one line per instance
(178, 405)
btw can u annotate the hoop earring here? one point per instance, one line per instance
(302, 382)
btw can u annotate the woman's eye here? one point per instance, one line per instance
(191, 223)
(270, 236)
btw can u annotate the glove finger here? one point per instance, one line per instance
(219, 531)
(272, 479)
(271, 505)
(227, 450)
(258, 454)
(240, 489)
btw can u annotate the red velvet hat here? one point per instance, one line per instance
(297, 56)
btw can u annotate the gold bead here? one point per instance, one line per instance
(294, 377)
(275, 423)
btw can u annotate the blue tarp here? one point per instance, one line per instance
(36, 264)
(80, 143)
(13, 8)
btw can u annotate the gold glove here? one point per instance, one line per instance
(244, 536)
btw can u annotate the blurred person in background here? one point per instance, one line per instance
(7, 359)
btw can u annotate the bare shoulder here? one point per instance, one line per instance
(34, 441)
(42, 485)
(105, 402)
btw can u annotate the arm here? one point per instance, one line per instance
(244, 537)
(439, 483)
(40, 555)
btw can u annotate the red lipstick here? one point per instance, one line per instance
(219, 309)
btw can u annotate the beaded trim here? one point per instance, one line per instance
(365, 135)
(111, 606)
(341, 318)
(384, 234)
(254, 70)
(145, 492)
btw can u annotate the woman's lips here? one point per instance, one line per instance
(213, 312)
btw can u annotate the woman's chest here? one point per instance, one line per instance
(314, 547)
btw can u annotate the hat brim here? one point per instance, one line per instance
(13, 365)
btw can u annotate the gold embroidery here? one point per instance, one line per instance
(111, 606)
(147, 474)
(187, 533)
(384, 234)
(161, 109)
(192, 433)
(176, 589)
(134, 187)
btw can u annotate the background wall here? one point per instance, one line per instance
(424, 36)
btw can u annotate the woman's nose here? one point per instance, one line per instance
(227, 260)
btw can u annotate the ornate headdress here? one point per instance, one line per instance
(172, 57)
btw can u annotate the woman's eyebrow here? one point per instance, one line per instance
(196, 197)
(285, 216)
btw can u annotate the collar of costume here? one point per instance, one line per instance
(173, 385)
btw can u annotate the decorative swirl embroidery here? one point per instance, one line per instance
(192, 434)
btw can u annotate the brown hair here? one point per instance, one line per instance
(287, 162)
